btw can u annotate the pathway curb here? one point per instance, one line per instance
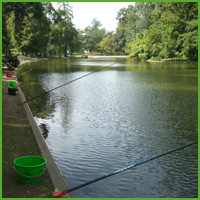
(54, 173)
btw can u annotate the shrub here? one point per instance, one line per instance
(143, 56)
(11, 61)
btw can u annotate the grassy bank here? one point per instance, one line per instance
(174, 60)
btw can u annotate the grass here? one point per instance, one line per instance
(175, 59)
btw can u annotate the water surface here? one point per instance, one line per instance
(114, 118)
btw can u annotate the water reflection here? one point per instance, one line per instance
(114, 118)
(44, 130)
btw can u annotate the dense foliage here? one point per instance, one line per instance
(93, 35)
(36, 28)
(147, 30)
(25, 27)
(11, 61)
(172, 33)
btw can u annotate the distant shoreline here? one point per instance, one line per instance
(23, 61)
(107, 56)
(173, 61)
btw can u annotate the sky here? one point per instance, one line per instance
(105, 12)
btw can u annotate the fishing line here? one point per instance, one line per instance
(32, 69)
(71, 81)
(59, 194)
(31, 79)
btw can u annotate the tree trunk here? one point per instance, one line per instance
(5, 52)
(9, 52)
(65, 50)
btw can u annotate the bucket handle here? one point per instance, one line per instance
(32, 176)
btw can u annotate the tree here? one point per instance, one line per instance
(34, 27)
(16, 11)
(93, 35)
(25, 26)
(123, 16)
(120, 39)
(189, 40)
(75, 42)
(95, 25)
(35, 34)
(106, 45)
(49, 11)
(131, 21)
(172, 34)
(63, 31)
(139, 48)
(134, 19)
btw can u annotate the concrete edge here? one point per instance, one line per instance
(54, 173)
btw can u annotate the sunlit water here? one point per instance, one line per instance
(114, 118)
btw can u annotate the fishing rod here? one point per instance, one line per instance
(23, 73)
(30, 80)
(59, 194)
(71, 81)
(27, 82)
(31, 69)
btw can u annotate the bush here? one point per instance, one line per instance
(143, 56)
(11, 61)
(155, 58)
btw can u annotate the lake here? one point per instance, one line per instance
(122, 115)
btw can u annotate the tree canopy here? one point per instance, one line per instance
(147, 30)
(93, 35)
(173, 33)
(34, 28)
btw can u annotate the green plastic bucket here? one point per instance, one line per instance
(30, 168)
(11, 83)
